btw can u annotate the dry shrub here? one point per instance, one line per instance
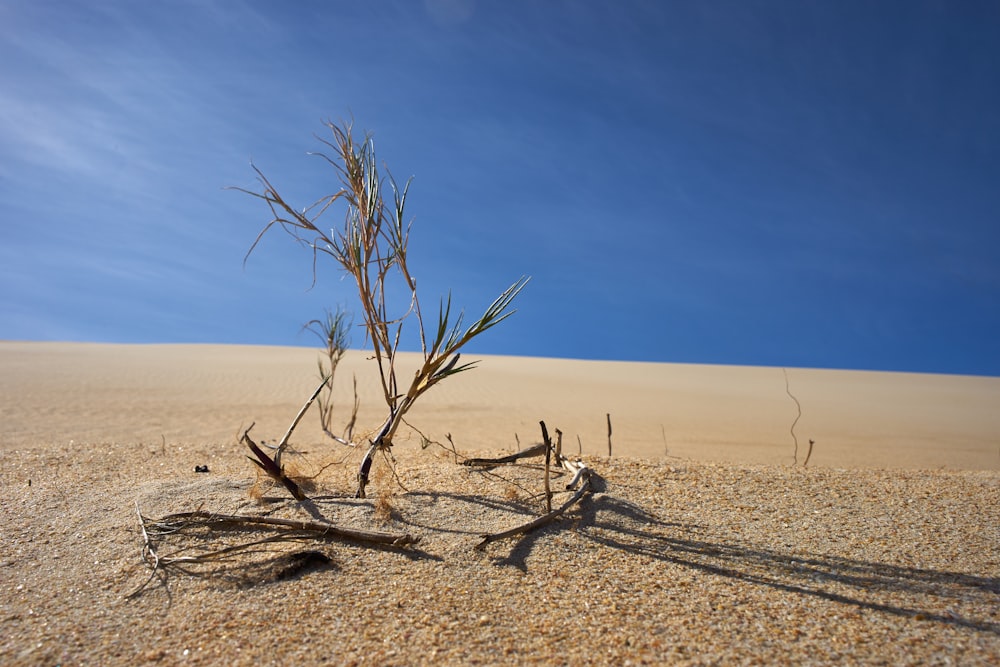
(372, 247)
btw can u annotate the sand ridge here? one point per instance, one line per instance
(53, 393)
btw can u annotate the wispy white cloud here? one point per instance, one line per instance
(664, 159)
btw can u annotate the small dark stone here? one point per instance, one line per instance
(201, 468)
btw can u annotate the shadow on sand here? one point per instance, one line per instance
(619, 524)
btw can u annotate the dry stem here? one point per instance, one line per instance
(582, 472)
(548, 461)
(270, 466)
(295, 422)
(795, 454)
(609, 434)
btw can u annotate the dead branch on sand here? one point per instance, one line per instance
(582, 483)
(530, 452)
(155, 531)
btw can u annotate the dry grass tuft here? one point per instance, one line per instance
(385, 511)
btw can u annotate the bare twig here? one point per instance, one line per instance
(148, 554)
(530, 452)
(582, 473)
(426, 442)
(349, 429)
(316, 528)
(795, 454)
(548, 460)
(295, 422)
(392, 468)
(454, 450)
(809, 453)
(609, 435)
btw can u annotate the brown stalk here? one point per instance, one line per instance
(530, 452)
(798, 406)
(548, 460)
(270, 467)
(582, 472)
(609, 435)
(295, 422)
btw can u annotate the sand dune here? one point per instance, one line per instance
(57, 393)
(701, 543)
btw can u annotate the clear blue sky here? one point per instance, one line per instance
(774, 183)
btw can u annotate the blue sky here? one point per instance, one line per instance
(766, 183)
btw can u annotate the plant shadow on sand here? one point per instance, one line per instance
(618, 524)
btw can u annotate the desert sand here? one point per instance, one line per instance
(705, 541)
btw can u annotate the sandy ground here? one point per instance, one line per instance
(703, 542)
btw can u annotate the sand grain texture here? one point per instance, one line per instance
(885, 550)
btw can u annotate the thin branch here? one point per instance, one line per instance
(795, 454)
(454, 450)
(530, 452)
(318, 528)
(295, 422)
(582, 472)
(609, 434)
(548, 460)
(148, 554)
(349, 429)
(809, 453)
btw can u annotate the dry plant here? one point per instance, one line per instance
(198, 538)
(334, 331)
(798, 416)
(798, 407)
(371, 246)
(581, 483)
